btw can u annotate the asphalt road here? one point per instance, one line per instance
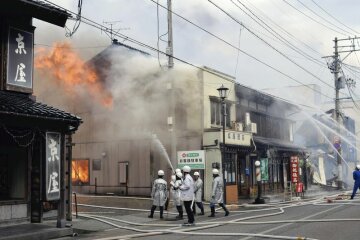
(319, 220)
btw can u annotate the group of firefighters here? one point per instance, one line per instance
(187, 191)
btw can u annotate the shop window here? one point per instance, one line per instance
(80, 171)
(230, 168)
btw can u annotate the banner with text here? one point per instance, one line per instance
(194, 159)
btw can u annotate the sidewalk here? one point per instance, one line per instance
(33, 231)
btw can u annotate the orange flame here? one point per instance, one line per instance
(80, 171)
(63, 63)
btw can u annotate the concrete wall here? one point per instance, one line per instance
(211, 83)
(12, 212)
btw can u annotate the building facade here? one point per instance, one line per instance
(256, 124)
(35, 139)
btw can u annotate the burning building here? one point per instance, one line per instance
(119, 149)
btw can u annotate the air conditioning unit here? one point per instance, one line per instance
(253, 128)
(239, 126)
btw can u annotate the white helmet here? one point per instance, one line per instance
(186, 169)
(161, 173)
(179, 175)
(358, 166)
(177, 170)
(173, 178)
(215, 171)
(196, 174)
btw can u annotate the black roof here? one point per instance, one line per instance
(35, 8)
(22, 105)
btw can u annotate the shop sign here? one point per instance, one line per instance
(193, 159)
(52, 166)
(294, 169)
(20, 58)
(264, 166)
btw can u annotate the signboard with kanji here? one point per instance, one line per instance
(294, 169)
(20, 59)
(52, 166)
(193, 159)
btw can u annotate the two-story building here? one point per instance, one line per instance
(115, 155)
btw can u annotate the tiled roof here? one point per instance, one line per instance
(22, 105)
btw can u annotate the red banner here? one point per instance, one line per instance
(294, 169)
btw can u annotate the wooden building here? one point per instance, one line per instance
(35, 139)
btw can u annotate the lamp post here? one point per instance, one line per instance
(258, 200)
(223, 94)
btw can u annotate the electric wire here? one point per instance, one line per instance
(308, 8)
(70, 33)
(158, 34)
(284, 30)
(314, 20)
(127, 38)
(278, 36)
(330, 15)
(271, 46)
(238, 53)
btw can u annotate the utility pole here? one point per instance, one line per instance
(171, 118)
(337, 110)
(335, 68)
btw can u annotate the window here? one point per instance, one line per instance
(96, 165)
(230, 168)
(80, 171)
(216, 113)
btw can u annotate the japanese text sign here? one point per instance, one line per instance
(294, 169)
(20, 58)
(193, 159)
(53, 160)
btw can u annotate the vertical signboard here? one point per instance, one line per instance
(264, 166)
(52, 166)
(294, 169)
(20, 59)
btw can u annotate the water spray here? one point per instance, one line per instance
(162, 150)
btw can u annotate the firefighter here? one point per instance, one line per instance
(159, 194)
(356, 177)
(217, 193)
(198, 193)
(187, 195)
(175, 190)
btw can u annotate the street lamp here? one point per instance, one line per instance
(258, 200)
(223, 91)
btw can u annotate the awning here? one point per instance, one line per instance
(277, 144)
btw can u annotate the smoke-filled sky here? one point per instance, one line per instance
(290, 19)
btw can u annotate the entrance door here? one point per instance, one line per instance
(123, 175)
(243, 176)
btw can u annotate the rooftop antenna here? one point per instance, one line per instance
(112, 32)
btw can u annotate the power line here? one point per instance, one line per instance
(51, 46)
(292, 6)
(268, 44)
(323, 17)
(125, 37)
(247, 54)
(277, 35)
(284, 30)
(333, 17)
